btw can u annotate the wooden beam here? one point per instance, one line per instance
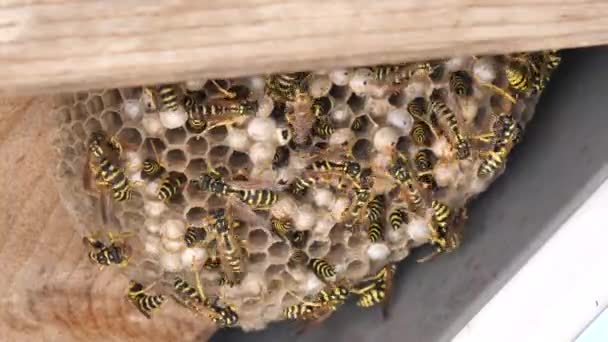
(49, 290)
(64, 45)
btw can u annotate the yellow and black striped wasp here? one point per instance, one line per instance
(117, 252)
(145, 303)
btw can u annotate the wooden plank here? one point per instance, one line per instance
(60, 45)
(48, 289)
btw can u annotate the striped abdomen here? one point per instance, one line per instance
(492, 162)
(321, 268)
(186, 292)
(397, 217)
(168, 97)
(441, 213)
(461, 83)
(194, 235)
(418, 107)
(151, 168)
(420, 134)
(375, 231)
(300, 186)
(260, 198)
(169, 187)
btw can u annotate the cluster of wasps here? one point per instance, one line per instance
(390, 197)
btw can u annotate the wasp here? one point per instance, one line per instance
(424, 160)
(375, 213)
(460, 143)
(506, 134)
(116, 253)
(194, 236)
(146, 304)
(322, 128)
(280, 157)
(359, 124)
(229, 246)
(378, 289)
(318, 309)
(461, 83)
(441, 213)
(186, 294)
(168, 97)
(421, 133)
(225, 316)
(399, 170)
(397, 217)
(350, 168)
(212, 263)
(107, 174)
(285, 87)
(212, 182)
(281, 226)
(169, 187)
(418, 107)
(300, 186)
(321, 268)
(448, 238)
(258, 198)
(322, 106)
(211, 109)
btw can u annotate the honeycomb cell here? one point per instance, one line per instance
(194, 193)
(403, 144)
(279, 250)
(340, 93)
(337, 233)
(68, 153)
(111, 122)
(275, 286)
(356, 103)
(217, 133)
(215, 201)
(177, 159)
(258, 238)
(196, 167)
(397, 99)
(195, 215)
(81, 96)
(356, 241)
(153, 147)
(95, 104)
(356, 269)
(273, 271)
(132, 221)
(176, 136)
(361, 124)
(257, 258)
(92, 125)
(63, 115)
(111, 98)
(241, 230)
(362, 149)
(336, 255)
(239, 160)
(78, 131)
(128, 93)
(79, 112)
(130, 138)
(218, 152)
(197, 146)
(318, 249)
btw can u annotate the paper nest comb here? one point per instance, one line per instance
(245, 150)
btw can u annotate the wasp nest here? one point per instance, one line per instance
(272, 189)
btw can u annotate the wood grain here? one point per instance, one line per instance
(48, 289)
(62, 45)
